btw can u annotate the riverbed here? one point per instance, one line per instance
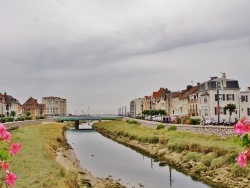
(104, 158)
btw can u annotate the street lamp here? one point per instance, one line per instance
(218, 87)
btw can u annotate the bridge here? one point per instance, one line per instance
(89, 118)
(77, 119)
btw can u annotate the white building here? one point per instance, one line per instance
(136, 107)
(215, 94)
(244, 103)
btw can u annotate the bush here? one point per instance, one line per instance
(207, 159)
(192, 156)
(154, 139)
(160, 126)
(172, 128)
(9, 119)
(133, 122)
(178, 121)
(27, 118)
(237, 171)
(195, 121)
(20, 119)
(217, 162)
(2, 120)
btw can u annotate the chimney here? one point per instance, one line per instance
(189, 87)
(224, 80)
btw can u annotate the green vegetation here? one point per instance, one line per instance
(207, 152)
(160, 126)
(35, 166)
(195, 121)
(172, 128)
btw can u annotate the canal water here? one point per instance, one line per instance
(104, 157)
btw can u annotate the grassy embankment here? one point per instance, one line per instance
(36, 165)
(207, 152)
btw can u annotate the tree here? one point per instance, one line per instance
(162, 112)
(231, 108)
(13, 113)
(28, 113)
(146, 112)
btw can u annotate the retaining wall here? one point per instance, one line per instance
(223, 131)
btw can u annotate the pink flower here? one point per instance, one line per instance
(241, 128)
(6, 136)
(10, 179)
(2, 129)
(5, 166)
(242, 159)
(15, 148)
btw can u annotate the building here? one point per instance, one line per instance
(136, 107)
(54, 106)
(11, 104)
(244, 103)
(32, 106)
(215, 94)
(2, 105)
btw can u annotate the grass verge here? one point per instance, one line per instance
(36, 165)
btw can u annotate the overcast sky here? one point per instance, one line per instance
(101, 54)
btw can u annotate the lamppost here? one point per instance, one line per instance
(141, 108)
(150, 106)
(218, 86)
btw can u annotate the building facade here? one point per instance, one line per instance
(54, 106)
(32, 106)
(215, 94)
(136, 107)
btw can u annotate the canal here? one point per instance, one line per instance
(104, 157)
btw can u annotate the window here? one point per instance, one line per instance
(205, 99)
(206, 112)
(230, 97)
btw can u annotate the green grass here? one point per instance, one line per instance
(176, 141)
(36, 166)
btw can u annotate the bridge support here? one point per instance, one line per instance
(77, 125)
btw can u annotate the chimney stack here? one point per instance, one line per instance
(224, 80)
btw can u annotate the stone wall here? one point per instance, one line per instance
(223, 131)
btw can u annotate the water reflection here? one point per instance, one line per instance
(104, 157)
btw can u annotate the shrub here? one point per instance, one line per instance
(133, 122)
(217, 162)
(2, 120)
(9, 119)
(192, 156)
(178, 121)
(20, 119)
(174, 146)
(172, 128)
(207, 159)
(27, 118)
(194, 121)
(237, 171)
(154, 139)
(160, 126)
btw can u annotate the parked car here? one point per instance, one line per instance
(233, 120)
(208, 120)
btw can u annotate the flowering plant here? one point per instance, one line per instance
(7, 177)
(241, 129)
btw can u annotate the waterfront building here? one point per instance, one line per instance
(215, 94)
(244, 103)
(2, 105)
(11, 104)
(136, 107)
(54, 106)
(32, 106)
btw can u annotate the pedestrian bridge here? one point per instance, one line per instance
(89, 118)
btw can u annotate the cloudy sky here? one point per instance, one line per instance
(101, 54)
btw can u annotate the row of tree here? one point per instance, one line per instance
(230, 107)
